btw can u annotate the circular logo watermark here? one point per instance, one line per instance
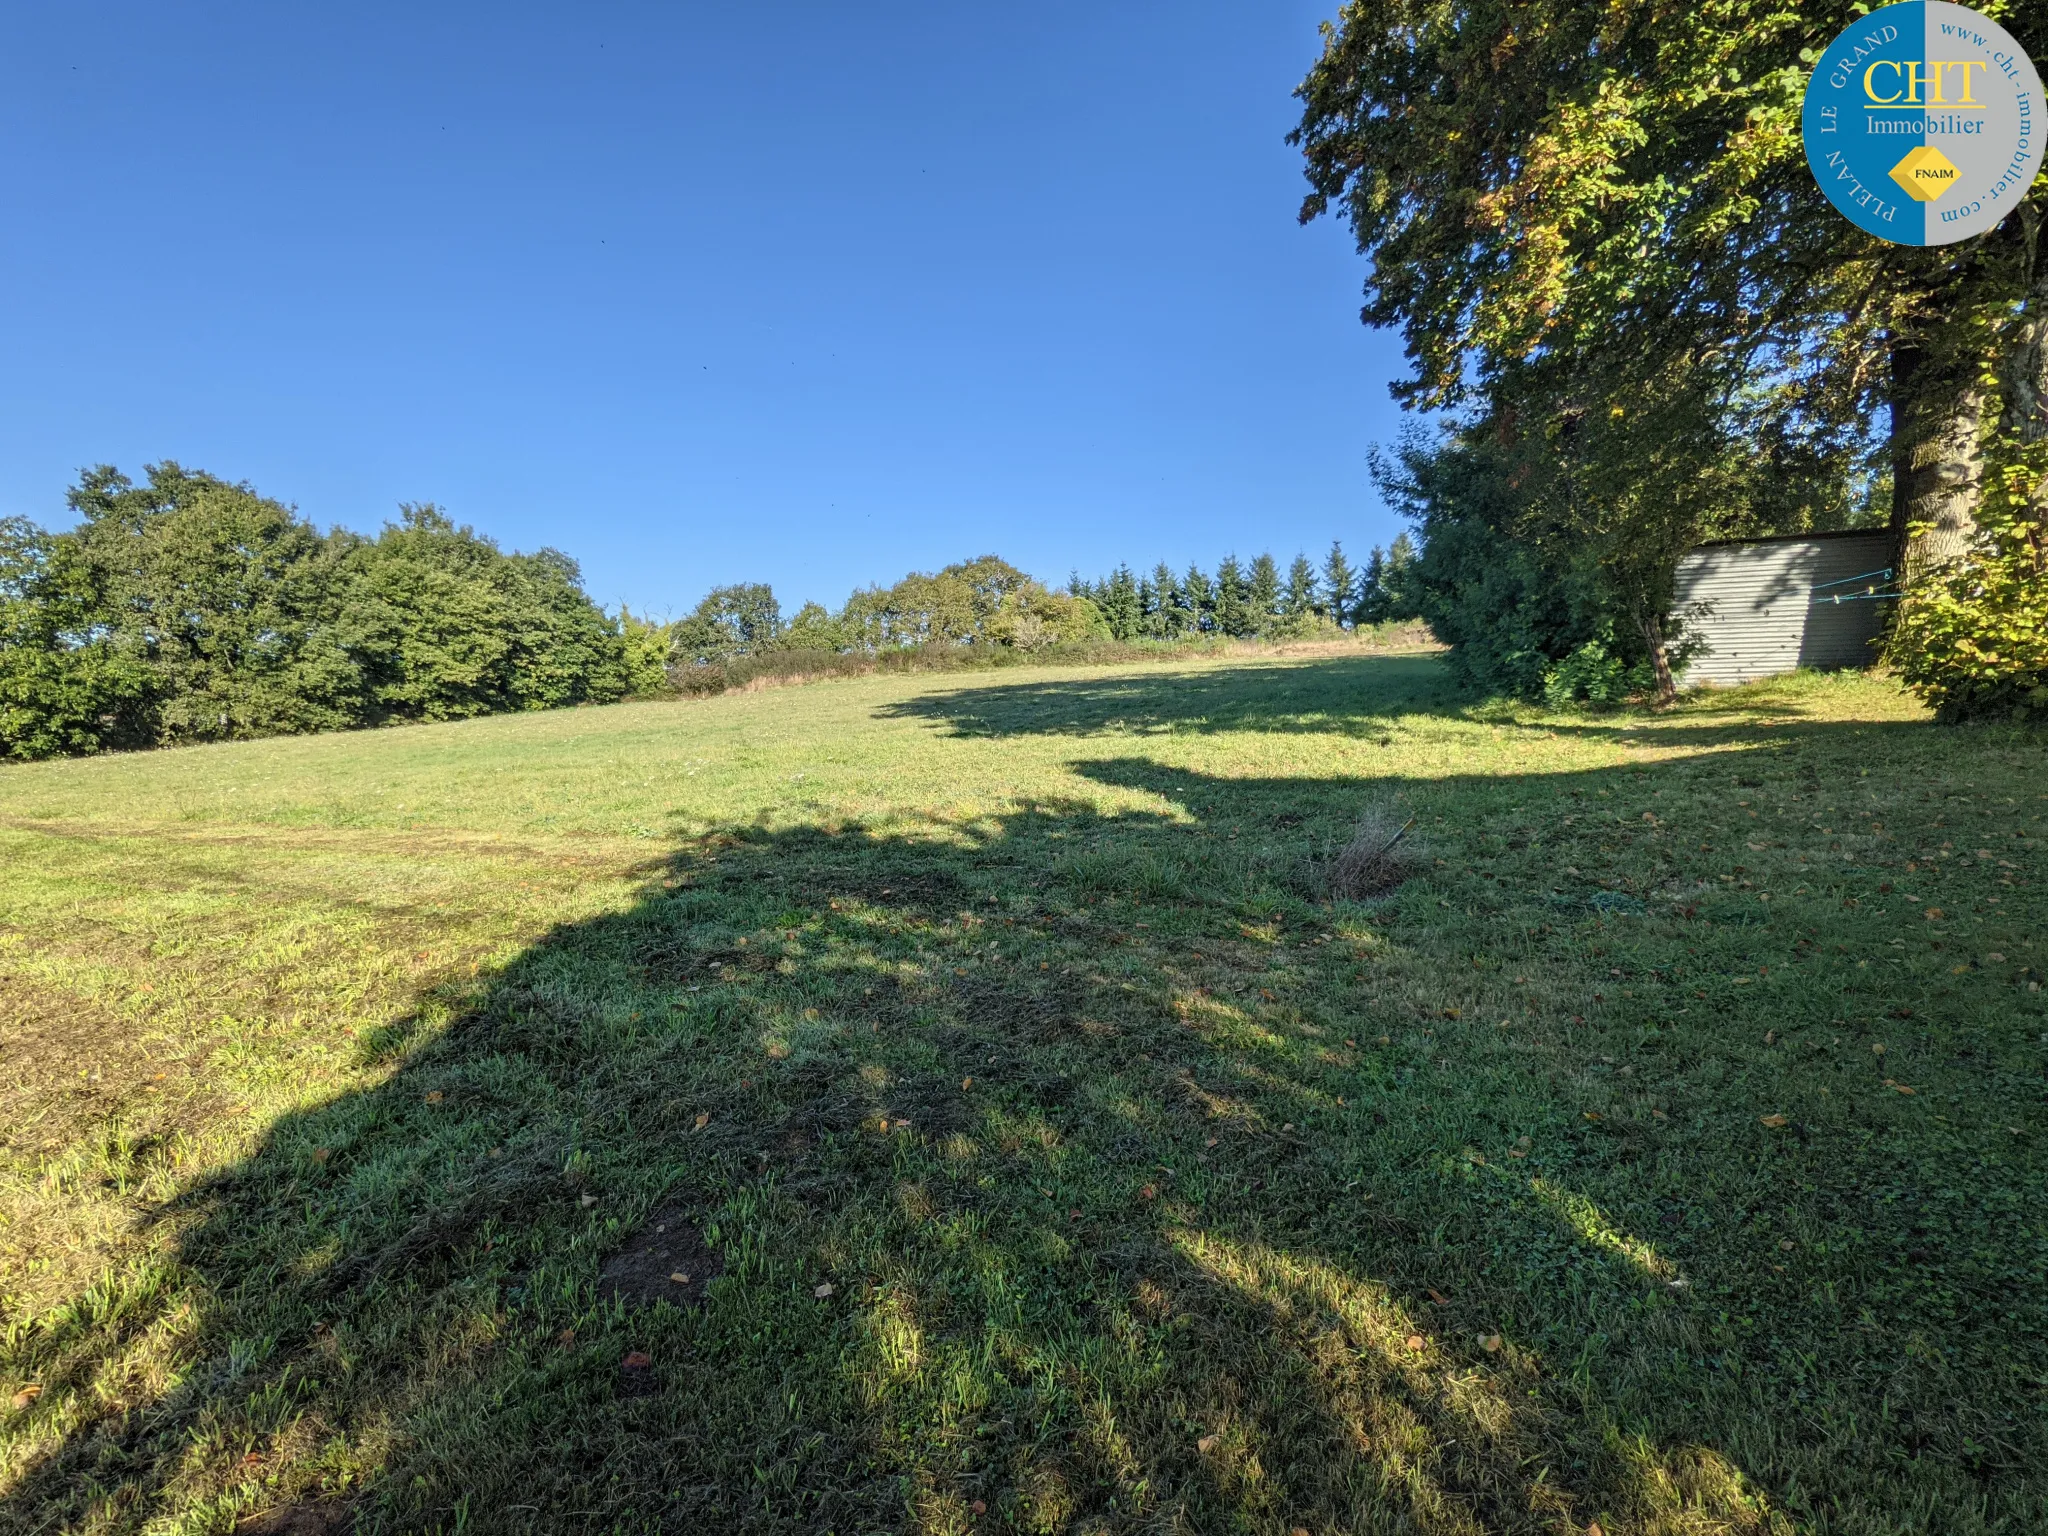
(1924, 123)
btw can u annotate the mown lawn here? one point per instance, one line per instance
(1042, 1152)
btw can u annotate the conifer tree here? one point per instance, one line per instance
(1198, 594)
(1120, 604)
(1299, 602)
(1340, 585)
(1372, 595)
(1402, 601)
(1233, 599)
(1170, 616)
(1262, 593)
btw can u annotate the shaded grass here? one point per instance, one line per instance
(1199, 1202)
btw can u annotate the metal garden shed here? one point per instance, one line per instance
(1766, 606)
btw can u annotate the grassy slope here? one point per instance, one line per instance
(335, 1068)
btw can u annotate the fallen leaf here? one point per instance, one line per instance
(1658, 1114)
(1775, 1122)
(822, 1291)
(636, 1360)
(1897, 1087)
(703, 1119)
(587, 1201)
(1770, 1037)
(321, 1154)
(1207, 1443)
(1934, 914)
(1210, 1142)
(1787, 1244)
(1490, 1342)
(978, 1507)
(1266, 993)
(566, 1337)
(1416, 1341)
(1593, 1528)
(679, 1278)
(1593, 1115)
(436, 1096)
(1287, 1127)
(966, 1083)
(1148, 1193)
(1437, 1296)
(810, 1013)
(1995, 958)
(1877, 1047)
(27, 1395)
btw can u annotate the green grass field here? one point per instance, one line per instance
(1042, 1151)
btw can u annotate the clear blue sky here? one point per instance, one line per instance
(697, 293)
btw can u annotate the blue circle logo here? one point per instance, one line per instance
(1924, 123)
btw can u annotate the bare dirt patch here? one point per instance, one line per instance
(66, 1063)
(300, 1520)
(666, 1260)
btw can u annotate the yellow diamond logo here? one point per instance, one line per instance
(1925, 173)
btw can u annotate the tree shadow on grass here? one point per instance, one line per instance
(1363, 697)
(1069, 1172)
(1346, 696)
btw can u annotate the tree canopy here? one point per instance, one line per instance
(191, 608)
(1596, 232)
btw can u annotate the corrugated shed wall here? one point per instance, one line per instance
(1756, 605)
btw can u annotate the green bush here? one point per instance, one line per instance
(1596, 673)
(1972, 638)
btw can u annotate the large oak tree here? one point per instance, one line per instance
(1566, 202)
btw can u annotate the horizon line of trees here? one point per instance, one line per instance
(188, 608)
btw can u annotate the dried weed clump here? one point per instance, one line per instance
(1378, 858)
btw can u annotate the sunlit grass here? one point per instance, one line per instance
(1073, 1164)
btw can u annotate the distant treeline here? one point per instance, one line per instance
(190, 608)
(1255, 601)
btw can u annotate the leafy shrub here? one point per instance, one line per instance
(1596, 674)
(1971, 638)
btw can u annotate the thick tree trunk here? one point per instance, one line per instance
(1938, 406)
(2026, 382)
(2026, 364)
